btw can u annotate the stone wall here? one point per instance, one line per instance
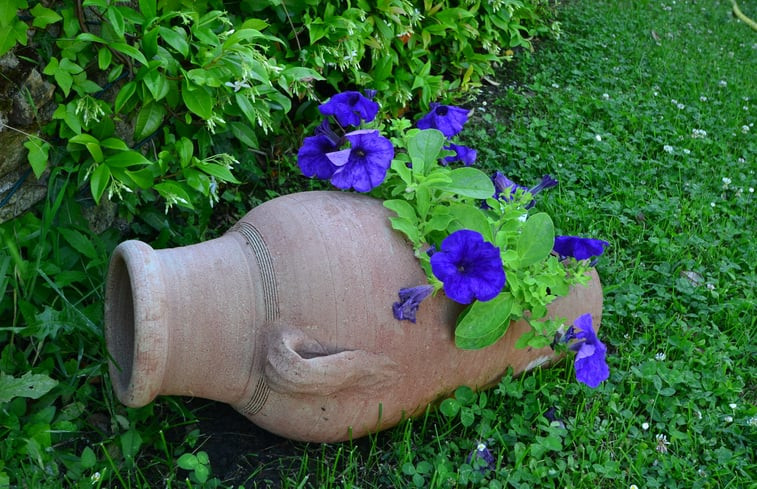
(26, 104)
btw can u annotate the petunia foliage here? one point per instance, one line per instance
(478, 237)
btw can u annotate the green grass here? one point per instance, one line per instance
(610, 109)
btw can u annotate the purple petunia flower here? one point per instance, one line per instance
(350, 108)
(446, 118)
(364, 165)
(579, 248)
(410, 299)
(502, 183)
(312, 157)
(482, 458)
(463, 153)
(591, 366)
(469, 267)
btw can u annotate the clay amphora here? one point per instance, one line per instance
(288, 318)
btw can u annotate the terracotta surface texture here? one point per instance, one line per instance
(288, 318)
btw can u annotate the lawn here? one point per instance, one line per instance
(644, 112)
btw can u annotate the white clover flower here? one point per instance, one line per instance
(660, 356)
(668, 149)
(674, 101)
(726, 182)
(703, 99)
(633, 486)
(687, 151)
(752, 421)
(712, 204)
(555, 85)
(662, 443)
(710, 286)
(598, 137)
(733, 405)
(745, 129)
(606, 96)
(728, 419)
(723, 83)
(751, 190)
(680, 106)
(698, 133)
(645, 426)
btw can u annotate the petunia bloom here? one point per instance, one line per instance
(591, 366)
(312, 157)
(350, 108)
(462, 153)
(502, 183)
(469, 267)
(579, 248)
(364, 165)
(482, 458)
(446, 118)
(410, 299)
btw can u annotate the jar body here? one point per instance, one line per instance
(300, 336)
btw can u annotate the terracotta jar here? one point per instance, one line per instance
(288, 318)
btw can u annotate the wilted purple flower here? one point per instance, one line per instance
(446, 118)
(350, 108)
(463, 153)
(579, 248)
(591, 366)
(469, 267)
(502, 183)
(482, 458)
(410, 299)
(364, 165)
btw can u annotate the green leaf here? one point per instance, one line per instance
(174, 193)
(188, 461)
(404, 226)
(403, 209)
(149, 119)
(176, 38)
(131, 441)
(29, 385)
(197, 99)
(104, 57)
(99, 181)
(116, 21)
(124, 95)
(472, 218)
(79, 242)
(219, 171)
(38, 155)
(424, 148)
(536, 240)
(469, 182)
(88, 458)
(44, 16)
(144, 178)
(449, 407)
(114, 143)
(185, 149)
(125, 159)
(245, 134)
(148, 8)
(129, 51)
(483, 323)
